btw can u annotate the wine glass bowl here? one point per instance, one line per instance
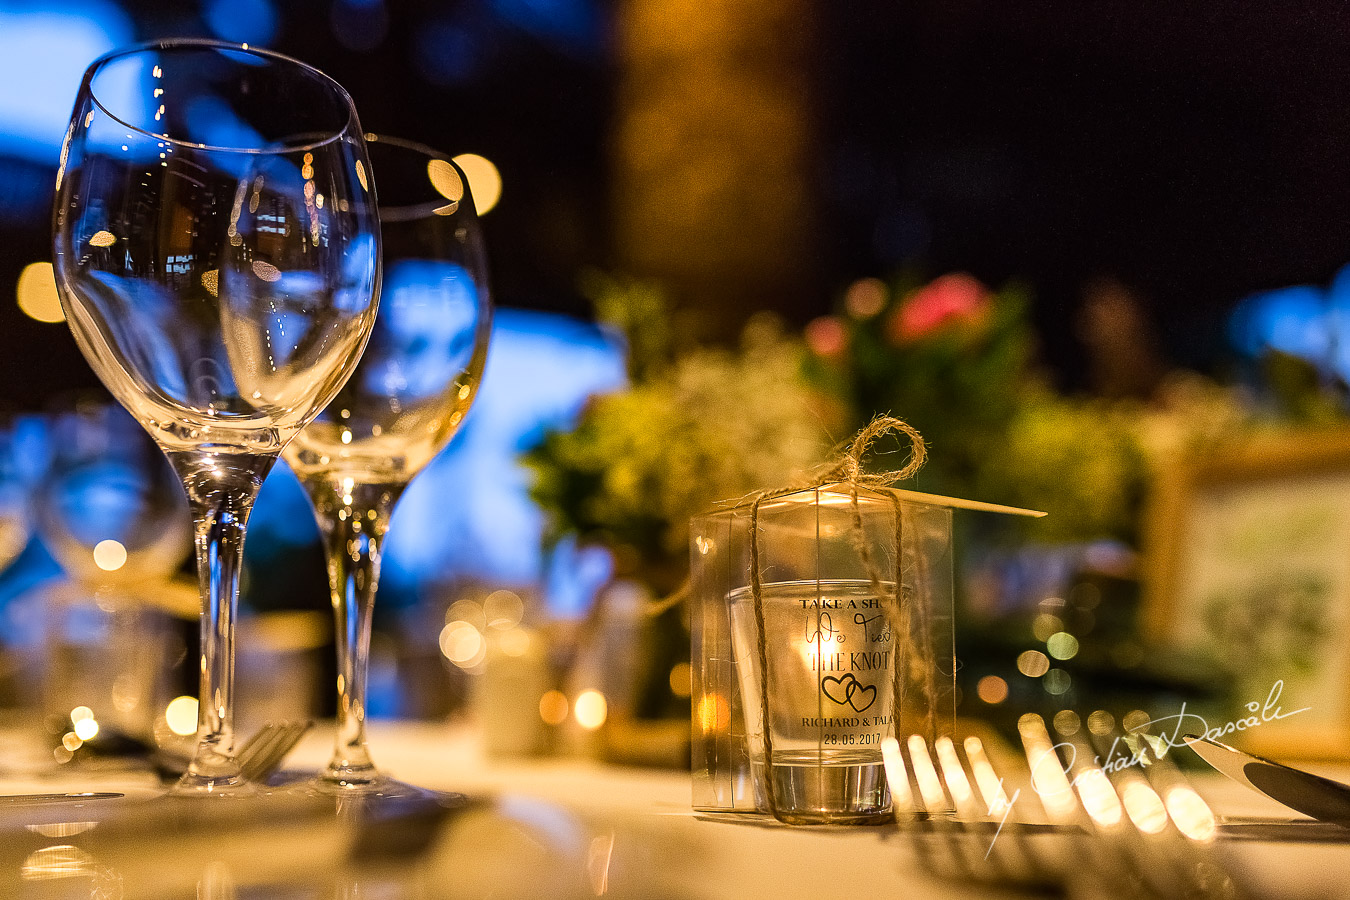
(408, 397)
(215, 240)
(425, 358)
(109, 507)
(217, 253)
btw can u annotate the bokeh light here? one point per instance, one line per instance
(86, 729)
(485, 182)
(445, 180)
(826, 336)
(37, 293)
(865, 298)
(992, 689)
(590, 709)
(469, 611)
(109, 555)
(1046, 625)
(1057, 681)
(1144, 807)
(553, 707)
(1062, 645)
(181, 715)
(1101, 722)
(682, 679)
(713, 713)
(1033, 663)
(1066, 722)
(1135, 720)
(503, 609)
(1191, 814)
(463, 644)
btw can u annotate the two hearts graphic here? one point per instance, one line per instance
(849, 690)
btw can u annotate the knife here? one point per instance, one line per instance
(1312, 795)
(59, 798)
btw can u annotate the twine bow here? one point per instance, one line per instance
(847, 470)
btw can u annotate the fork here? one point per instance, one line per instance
(1194, 826)
(1147, 830)
(969, 819)
(261, 754)
(258, 756)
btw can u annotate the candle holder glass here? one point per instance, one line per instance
(822, 625)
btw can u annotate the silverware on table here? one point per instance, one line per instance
(1312, 795)
(259, 757)
(262, 753)
(1148, 834)
(70, 797)
(957, 814)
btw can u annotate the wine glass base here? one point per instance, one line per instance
(373, 786)
(194, 784)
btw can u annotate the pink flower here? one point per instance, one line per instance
(955, 299)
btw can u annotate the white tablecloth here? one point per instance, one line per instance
(546, 828)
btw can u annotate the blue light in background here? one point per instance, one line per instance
(241, 21)
(25, 191)
(44, 50)
(1309, 322)
(360, 25)
(468, 514)
(448, 52)
(1291, 320)
(566, 24)
(1338, 317)
(215, 123)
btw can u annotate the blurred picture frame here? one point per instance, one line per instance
(1247, 575)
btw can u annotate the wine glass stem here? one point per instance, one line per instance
(354, 519)
(221, 488)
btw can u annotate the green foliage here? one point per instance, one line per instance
(1079, 460)
(695, 427)
(957, 378)
(950, 357)
(699, 425)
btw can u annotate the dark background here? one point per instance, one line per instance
(1196, 153)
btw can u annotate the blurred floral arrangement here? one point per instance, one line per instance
(696, 425)
(958, 361)
(954, 358)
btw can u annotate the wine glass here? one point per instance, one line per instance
(410, 393)
(111, 511)
(217, 250)
(108, 506)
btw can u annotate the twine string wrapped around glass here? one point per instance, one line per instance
(858, 790)
(821, 624)
(821, 619)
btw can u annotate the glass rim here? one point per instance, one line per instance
(806, 585)
(351, 125)
(402, 212)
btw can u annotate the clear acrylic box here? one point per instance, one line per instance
(850, 661)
